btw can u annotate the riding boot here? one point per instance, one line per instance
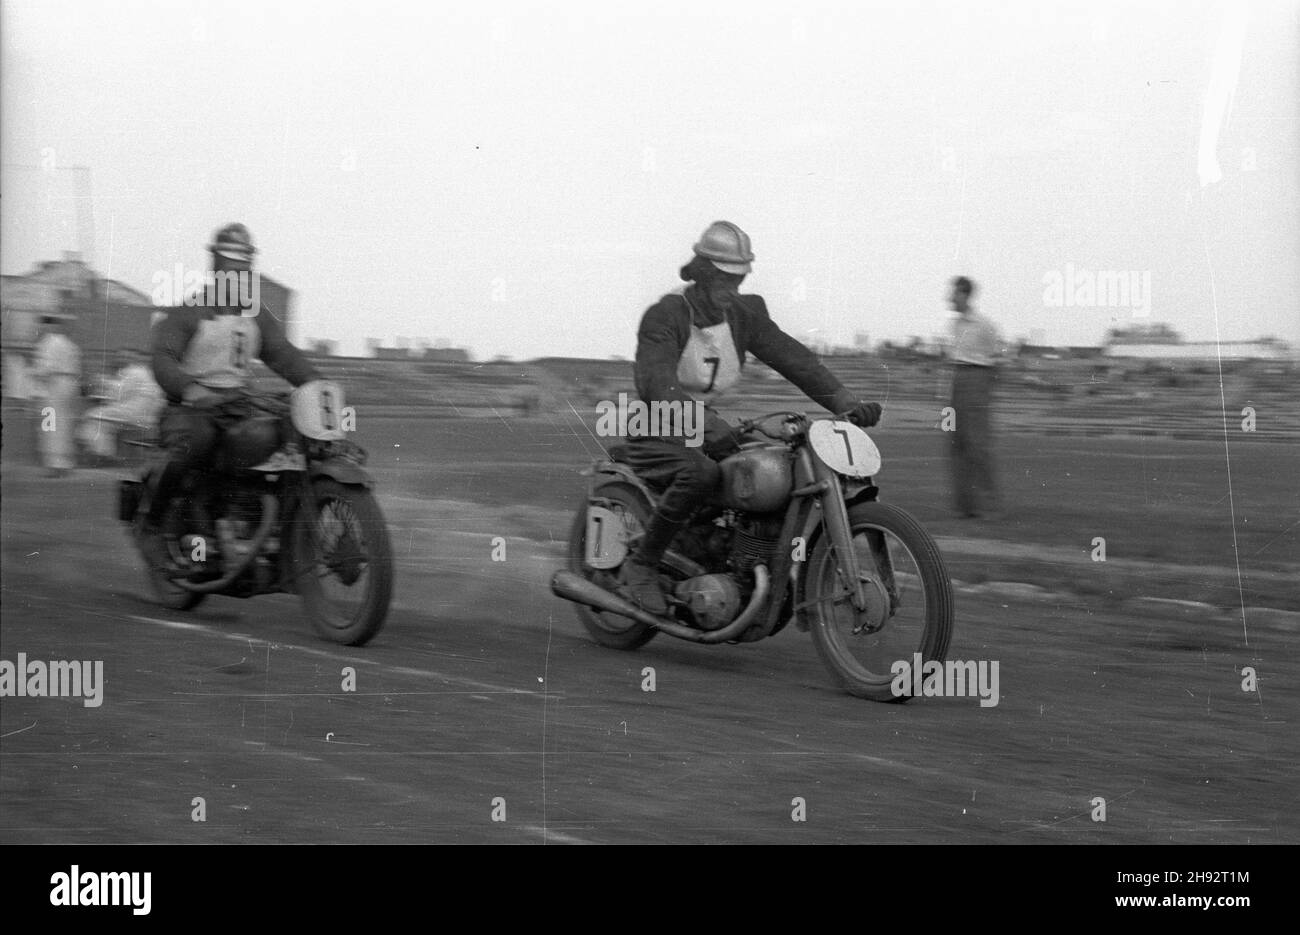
(164, 485)
(150, 536)
(640, 572)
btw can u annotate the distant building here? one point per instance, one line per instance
(1153, 333)
(454, 355)
(404, 351)
(278, 299)
(1202, 351)
(1051, 352)
(105, 315)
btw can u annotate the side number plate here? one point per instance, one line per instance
(606, 539)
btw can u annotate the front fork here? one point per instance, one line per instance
(835, 515)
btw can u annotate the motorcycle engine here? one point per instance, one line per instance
(755, 541)
(713, 601)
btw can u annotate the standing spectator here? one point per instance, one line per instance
(58, 368)
(134, 401)
(974, 350)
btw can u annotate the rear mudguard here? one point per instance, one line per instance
(341, 470)
(604, 472)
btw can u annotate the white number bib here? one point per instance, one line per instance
(709, 363)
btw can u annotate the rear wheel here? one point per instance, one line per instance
(909, 602)
(168, 593)
(605, 628)
(343, 562)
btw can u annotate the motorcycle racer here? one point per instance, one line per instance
(691, 345)
(202, 353)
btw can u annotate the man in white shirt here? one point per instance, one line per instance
(135, 401)
(58, 370)
(975, 350)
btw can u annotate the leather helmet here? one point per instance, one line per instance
(233, 242)
(726, 246)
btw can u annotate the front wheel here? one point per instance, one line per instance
(909, 602)
(343, 562)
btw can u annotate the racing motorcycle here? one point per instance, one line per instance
(286, 506)
(797, 534)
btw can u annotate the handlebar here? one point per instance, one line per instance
(794, 424)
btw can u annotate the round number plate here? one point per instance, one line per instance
(845, 448)
(317, 408)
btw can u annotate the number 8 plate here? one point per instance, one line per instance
(844, 448)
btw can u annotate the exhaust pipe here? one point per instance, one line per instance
(574, 587)
(270, 510)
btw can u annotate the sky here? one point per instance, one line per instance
(526, 179)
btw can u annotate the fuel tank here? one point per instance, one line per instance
(758, 478)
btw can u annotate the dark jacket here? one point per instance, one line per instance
(171, 338)
(666, 328)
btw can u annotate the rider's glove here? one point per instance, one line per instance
(865, 414)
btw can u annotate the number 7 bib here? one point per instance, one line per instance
(709, 363)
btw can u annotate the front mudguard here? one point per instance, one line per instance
(343, 471)
(300, 498)
(812, 530)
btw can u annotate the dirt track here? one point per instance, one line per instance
(483, 686)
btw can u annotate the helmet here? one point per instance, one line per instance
(726, 246)
(233, 242)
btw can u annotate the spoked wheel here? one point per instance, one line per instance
(909, 602)
(343, 562)
(605, 628)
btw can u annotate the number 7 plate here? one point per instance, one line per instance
(844, 448)
(607, 535)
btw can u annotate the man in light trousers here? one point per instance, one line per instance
(974, 351)
(58, 370)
